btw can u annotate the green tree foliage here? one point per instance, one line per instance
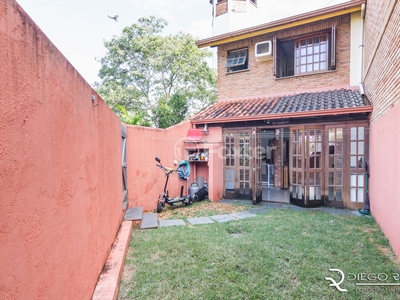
(164, 77)
(130, 118)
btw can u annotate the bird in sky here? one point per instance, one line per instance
(114, 17)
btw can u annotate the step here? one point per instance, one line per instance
(149, 221)
(134, 214)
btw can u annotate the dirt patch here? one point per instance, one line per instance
(200, 209)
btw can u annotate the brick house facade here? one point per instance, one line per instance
(299, 104)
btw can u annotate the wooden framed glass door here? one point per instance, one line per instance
(357, 156)
(297, 166)
(238, 164)
(335, 165)
(306, 172)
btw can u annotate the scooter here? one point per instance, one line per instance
(183, 175)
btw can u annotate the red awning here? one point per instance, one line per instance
(194, 135)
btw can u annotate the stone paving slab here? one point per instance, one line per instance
(134, 214)
(200, 220)
(258, 210)
(223, 218)
(178, 222)
(149, 221)
(243, 215)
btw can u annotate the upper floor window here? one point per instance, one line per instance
(305, 55)
(311, 54)
(237, 60)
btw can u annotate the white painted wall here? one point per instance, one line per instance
(355, 49)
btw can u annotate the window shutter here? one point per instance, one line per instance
(333, 47)
(277, 61)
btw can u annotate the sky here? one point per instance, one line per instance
(78, 28)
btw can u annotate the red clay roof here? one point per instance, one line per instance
(332, 102)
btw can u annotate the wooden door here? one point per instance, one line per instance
(306, 166)
(314, 171)
(238, 164)
(297, 166)
(335, 166)
(357, 139)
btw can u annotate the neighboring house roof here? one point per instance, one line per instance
(297, 20)
(332, 102)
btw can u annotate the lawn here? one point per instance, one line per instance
(281, 254)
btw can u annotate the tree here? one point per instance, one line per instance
(147, 72)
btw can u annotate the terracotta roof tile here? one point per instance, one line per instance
(297, 103)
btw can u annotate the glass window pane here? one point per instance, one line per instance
(316, 67)
(360, 162)
(309, 68)
(361, 148)
(312, 196)
(303, 51)
(353, 162)
(331, 195)
(299, 162)
(311, 178)
(331, 134)
(318, 177)
(323, 66)
(227, 160)
(294, 162)
(353, 194)
(331, 161)
(318, 162)
(339, 134)
(331, 148)
(299, 146)
(353, 179)
(353, 148)
(323, 57)
(299, 178)
(302, 69)
(339, 162)
(339, 148)
(303, 60)
(316, 57)
(331, 174)
(360, 195)
(339, 179)
(360, 180)
(353, 133)
(309, 59)
(294, 178)
(318, 193)
(299, 192)
(361, 133)
(323, 47)
(339, 194)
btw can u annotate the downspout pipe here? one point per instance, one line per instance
(362, 45)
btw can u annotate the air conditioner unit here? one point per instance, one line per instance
(263, 51)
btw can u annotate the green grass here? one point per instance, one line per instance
(282, 254)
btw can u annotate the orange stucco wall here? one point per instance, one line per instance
(385, 175)
(60, 169)
(146, 181)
